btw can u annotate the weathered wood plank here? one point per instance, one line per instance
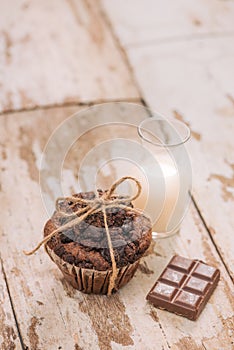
(214, 328)
(39, 301)
(54, 53)
(192, 81)
(9, 339)
(138, 22)
(41, 297)
(52, 314)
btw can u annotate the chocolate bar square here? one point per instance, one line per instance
(184, 287)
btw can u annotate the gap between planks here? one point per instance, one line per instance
(70, 104)
(121, 49)
(211, 237)
(178, 39)
(12, 306)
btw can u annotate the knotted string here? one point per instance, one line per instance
(92, 206)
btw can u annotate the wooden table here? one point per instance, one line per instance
(58, 57)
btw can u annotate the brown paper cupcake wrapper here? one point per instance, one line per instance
(90, 280)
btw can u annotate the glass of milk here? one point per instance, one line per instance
(167, 182)
(105, 142)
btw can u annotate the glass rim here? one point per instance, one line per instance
(140, 130)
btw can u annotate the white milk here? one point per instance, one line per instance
(160, 189)
(159, 200)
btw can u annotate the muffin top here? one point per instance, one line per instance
(85, 244)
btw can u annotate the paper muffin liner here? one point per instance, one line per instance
(90, 280)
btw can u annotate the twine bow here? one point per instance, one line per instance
(92, 206)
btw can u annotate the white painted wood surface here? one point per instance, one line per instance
(193, 81)
(9, 339)
(140, 22)
(64, 53)
(53, 54)
(50, 313)
(190, 79)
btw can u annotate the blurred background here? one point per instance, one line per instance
(177, 55)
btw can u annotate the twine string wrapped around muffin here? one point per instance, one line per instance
(92, 206)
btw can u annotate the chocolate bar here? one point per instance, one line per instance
(184, 287)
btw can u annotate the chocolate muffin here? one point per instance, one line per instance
(82, 253)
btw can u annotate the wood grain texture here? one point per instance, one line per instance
(54, 53)
(9, 339)
(192, 82)
(51, 313)
(138, 22)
